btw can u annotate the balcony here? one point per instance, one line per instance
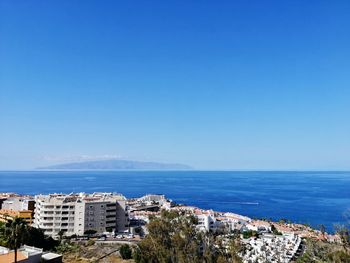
(45, 220)
(110, 214)
(111, 223)
(46, 228)
(48, 212)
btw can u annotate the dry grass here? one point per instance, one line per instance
(93, 253)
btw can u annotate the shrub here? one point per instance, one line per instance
(90, 232)
(125, 251)
(249, 234)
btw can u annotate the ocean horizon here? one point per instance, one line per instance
(308, 197)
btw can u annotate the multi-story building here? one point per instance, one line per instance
(77, 213)
(16, 206)
(206, 222)
(18, 203)
(26, 215)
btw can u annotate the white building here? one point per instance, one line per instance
(77, 213)
(206, 222)
(28, 254)
(152, 198)
(18, 204)
(156, 199)
(259, 226)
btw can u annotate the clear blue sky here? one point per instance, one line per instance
(213, 84)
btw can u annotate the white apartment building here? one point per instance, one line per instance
(77, 213)
(150, 198)
(206, 222)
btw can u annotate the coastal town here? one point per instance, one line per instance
(113, 218)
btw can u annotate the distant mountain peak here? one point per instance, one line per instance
(114, 164)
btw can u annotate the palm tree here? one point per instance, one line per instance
(15, 232)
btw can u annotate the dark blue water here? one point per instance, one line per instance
(305, 197)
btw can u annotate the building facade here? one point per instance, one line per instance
(78, 213)
(18, 204)
(26, 215)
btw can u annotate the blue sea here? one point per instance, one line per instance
(305, 197)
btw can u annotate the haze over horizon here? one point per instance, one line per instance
(252, 85)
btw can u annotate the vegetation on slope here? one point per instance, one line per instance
(173, 237)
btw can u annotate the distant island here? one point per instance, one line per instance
(117, 165)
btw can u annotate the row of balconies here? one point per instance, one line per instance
(41, 206)
(41, 220)
(52, 224)
(111, 214)
(46, 227)
(41, 217)
(52, 231)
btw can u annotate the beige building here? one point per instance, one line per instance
(77, 213)
(12, 205)
(26, 215)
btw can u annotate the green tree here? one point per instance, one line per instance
(274, 230)
(61, 234)
(125, 251)
(14, 234)
(37, 238)
(109, 229)
(249, 234)
(90, 232)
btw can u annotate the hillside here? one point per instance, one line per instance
(117, 165)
